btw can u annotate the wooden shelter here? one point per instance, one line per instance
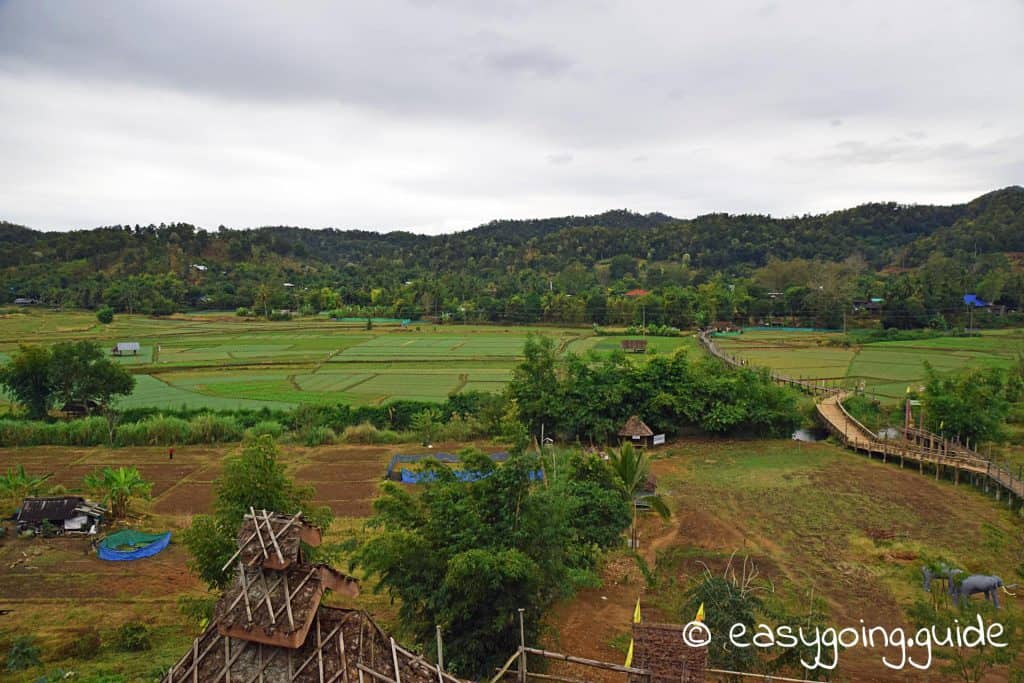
(634, 345)
(270, 626)
(636, 432)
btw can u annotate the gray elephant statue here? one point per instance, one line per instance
(942, 571)
(977, 583)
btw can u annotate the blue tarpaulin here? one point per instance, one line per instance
(132, 545)
(448, 458)
(413, 477)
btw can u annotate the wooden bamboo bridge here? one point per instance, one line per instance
(917, 447)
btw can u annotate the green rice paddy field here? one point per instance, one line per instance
(224, 362)
(885, 368)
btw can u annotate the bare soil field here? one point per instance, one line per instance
(804, 513)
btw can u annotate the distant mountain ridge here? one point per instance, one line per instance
(502, 255)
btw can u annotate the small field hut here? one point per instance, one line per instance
(636, 432)
(126, 349)
(59, 515)
(634, 345)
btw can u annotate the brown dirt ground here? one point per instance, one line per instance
(713, 520)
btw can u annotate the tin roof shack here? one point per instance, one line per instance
(270, 626)
(55, 515)
(126, 349)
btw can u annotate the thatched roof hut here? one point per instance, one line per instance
(636, 431)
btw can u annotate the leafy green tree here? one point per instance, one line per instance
(28, 378)
(468, 551)
(535, 385)
(118, 487)
(426, 423)
(105, 315)
(257, 479)
(80, 372)
(970, 405)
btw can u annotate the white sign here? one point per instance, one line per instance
(659, 439)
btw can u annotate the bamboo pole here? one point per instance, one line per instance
(587, 662)
(440, 655)
(522, 647)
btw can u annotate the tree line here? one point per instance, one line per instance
(617, 268)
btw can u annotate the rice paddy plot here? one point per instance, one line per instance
(885, 368)
(331, 381)
(813, 362)
(607, 344)
(382, 387)
(412, 346)
(151, 392)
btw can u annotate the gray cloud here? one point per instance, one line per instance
(440, 114)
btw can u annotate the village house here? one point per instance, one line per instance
(59, 515)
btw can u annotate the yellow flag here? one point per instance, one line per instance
(636, 620)
(700, 613)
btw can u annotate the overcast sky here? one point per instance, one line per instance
(440, 115)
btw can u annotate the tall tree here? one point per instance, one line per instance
(255, 478)
(80, 372)
(28, 378)
(468, 551)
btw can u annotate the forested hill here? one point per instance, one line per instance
(569, 255)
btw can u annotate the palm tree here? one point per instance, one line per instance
(631, 468)
(262, 299)
(16, 484)
(118, 487)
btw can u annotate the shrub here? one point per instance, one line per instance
(21, 433)
(319, 436)
(166, 431)
(243, 312)
(461, 428)
(131, 434)
(89, 431)
(81, 644)
(264, 428)
(134, 636)
(24, 653)
(197, 608)
(213, 429)
(363, 432)
(105, 315)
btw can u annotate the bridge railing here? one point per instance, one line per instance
(918, 444)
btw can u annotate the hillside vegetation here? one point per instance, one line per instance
(920, 259)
